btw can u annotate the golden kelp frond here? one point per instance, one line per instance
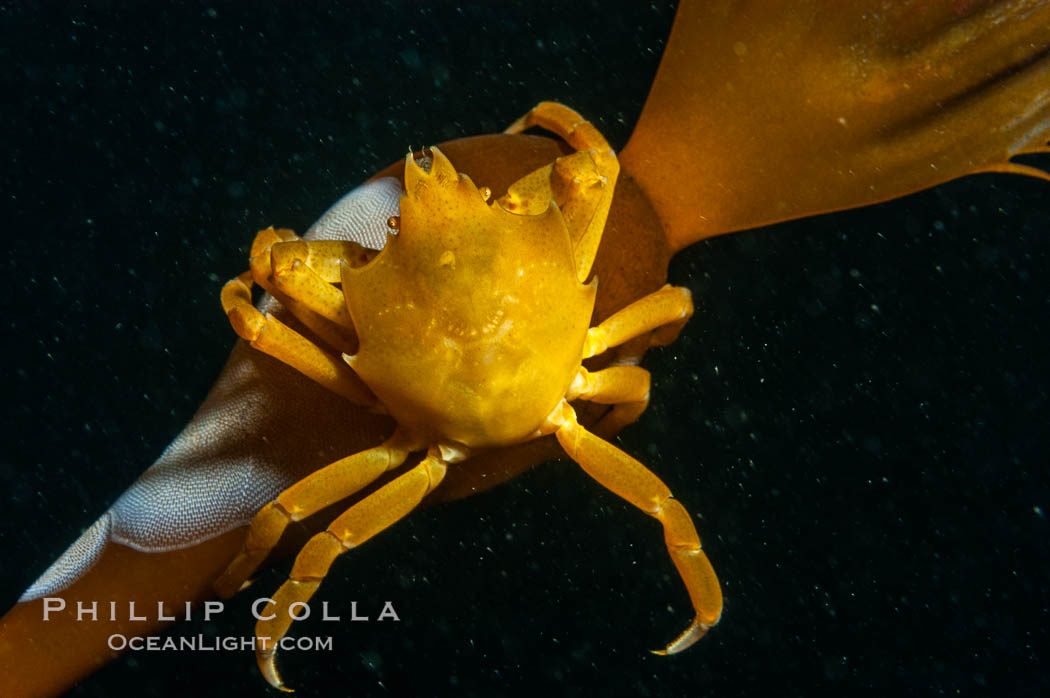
(765, 111)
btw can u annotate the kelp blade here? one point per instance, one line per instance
(766, 111)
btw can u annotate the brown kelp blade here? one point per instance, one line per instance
(765, 111)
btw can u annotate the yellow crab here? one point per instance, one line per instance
(469, 328)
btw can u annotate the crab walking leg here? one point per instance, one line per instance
(564, 121)
(610, 386)
(374, 513)
(273, 337)
(316, 491)
(624, 387)
(628, 478)
(665, 311)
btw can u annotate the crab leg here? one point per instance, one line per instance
(323, 257)
(374, 513)
(582, 184)
(564, 121)
(316, 491)
(313, 302)
(271, 336)
(296, 277)
(628, 478)
(666, 311)
(624, 387)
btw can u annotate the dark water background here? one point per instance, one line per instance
(858, 411)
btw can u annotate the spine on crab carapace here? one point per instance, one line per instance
(468, 304)
(439, 201)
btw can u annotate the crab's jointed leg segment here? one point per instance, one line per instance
(324, 257)
(628, 478)
(666, 311)
(259, 256)
(271, 336)
(276, 263)
(374, 513)
(297, 279)
(316, 491)
(581, 183)
(565, 122)
(624, 387)
(610, 386)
